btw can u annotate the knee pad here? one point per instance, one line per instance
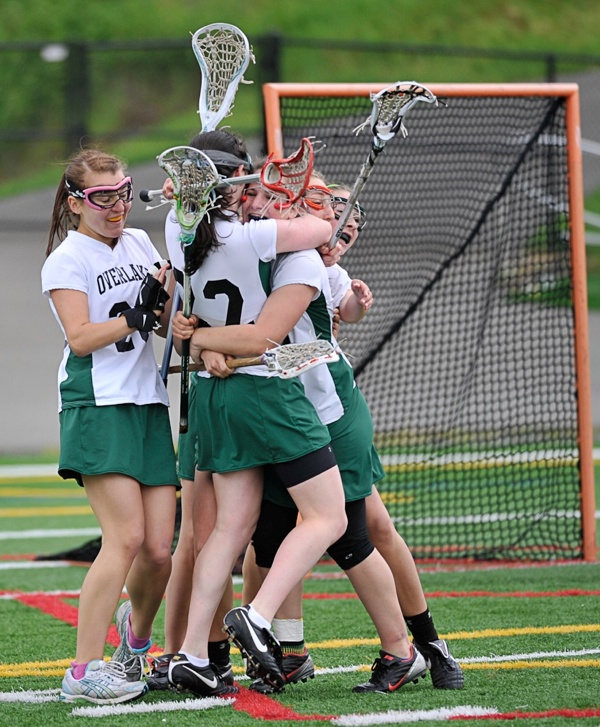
(274, 523)
(354, 546)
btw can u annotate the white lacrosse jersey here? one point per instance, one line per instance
(339, 282)
(328, 386)
(233, 282)
(174, 250)
(124, 372)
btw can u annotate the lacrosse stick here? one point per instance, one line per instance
(223, 54)
(164, 367)
(194, 179)
(285, 361)
(290, 176)
(387, 118)
(286, 178)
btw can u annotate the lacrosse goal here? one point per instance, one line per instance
(474, 358)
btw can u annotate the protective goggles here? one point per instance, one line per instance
(103, 198)
(358, 213)
(318, 198)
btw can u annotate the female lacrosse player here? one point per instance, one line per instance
(115, 437)
(244, 422)
(288, 625)
(343, 409)
(445, 671)
(198, 506)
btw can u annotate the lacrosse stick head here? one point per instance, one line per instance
(294, 359)
(194, 178)
(288, 178)
(391, 105)
(223, 54)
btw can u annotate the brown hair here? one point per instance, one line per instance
(235, 154)
(78, 166)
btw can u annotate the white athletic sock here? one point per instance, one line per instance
(289, 629)
(257, 619)
(195, 660)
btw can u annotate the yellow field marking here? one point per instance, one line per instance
(35, 668)
(45, 511)
(526, 631)
(463, 635)
(541, 664)
(396, 498)
(57, 668)
(27, 492)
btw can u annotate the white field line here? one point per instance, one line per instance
(47, 470)
(34, 564)
(491, 517)
(31, 696)
(443, 714)
(15, 594)
(492, 458)
(20, 471)
(115, 710)
(64, 533)
(391, 717)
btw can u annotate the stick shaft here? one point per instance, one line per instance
(361, 180)
(185, 346)
(233, 363)
(166, 359)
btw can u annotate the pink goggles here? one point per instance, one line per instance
(103, 198)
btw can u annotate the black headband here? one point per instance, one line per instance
(224, 159)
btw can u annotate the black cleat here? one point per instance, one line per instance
(200, 680)
(391, 672)
(445, 670)
(258, 646)
(296, 668)
(225, 671)
(158, 679)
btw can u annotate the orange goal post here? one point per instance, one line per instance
(475, 357)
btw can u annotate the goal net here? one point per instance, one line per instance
(473, 358)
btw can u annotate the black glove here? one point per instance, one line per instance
(142, 319)
(151, 295)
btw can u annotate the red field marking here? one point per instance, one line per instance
(54, 605)
(50, 602)
(259, 706)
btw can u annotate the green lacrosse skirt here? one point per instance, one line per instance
(357, 458)
(247, 421)
(122, 439)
